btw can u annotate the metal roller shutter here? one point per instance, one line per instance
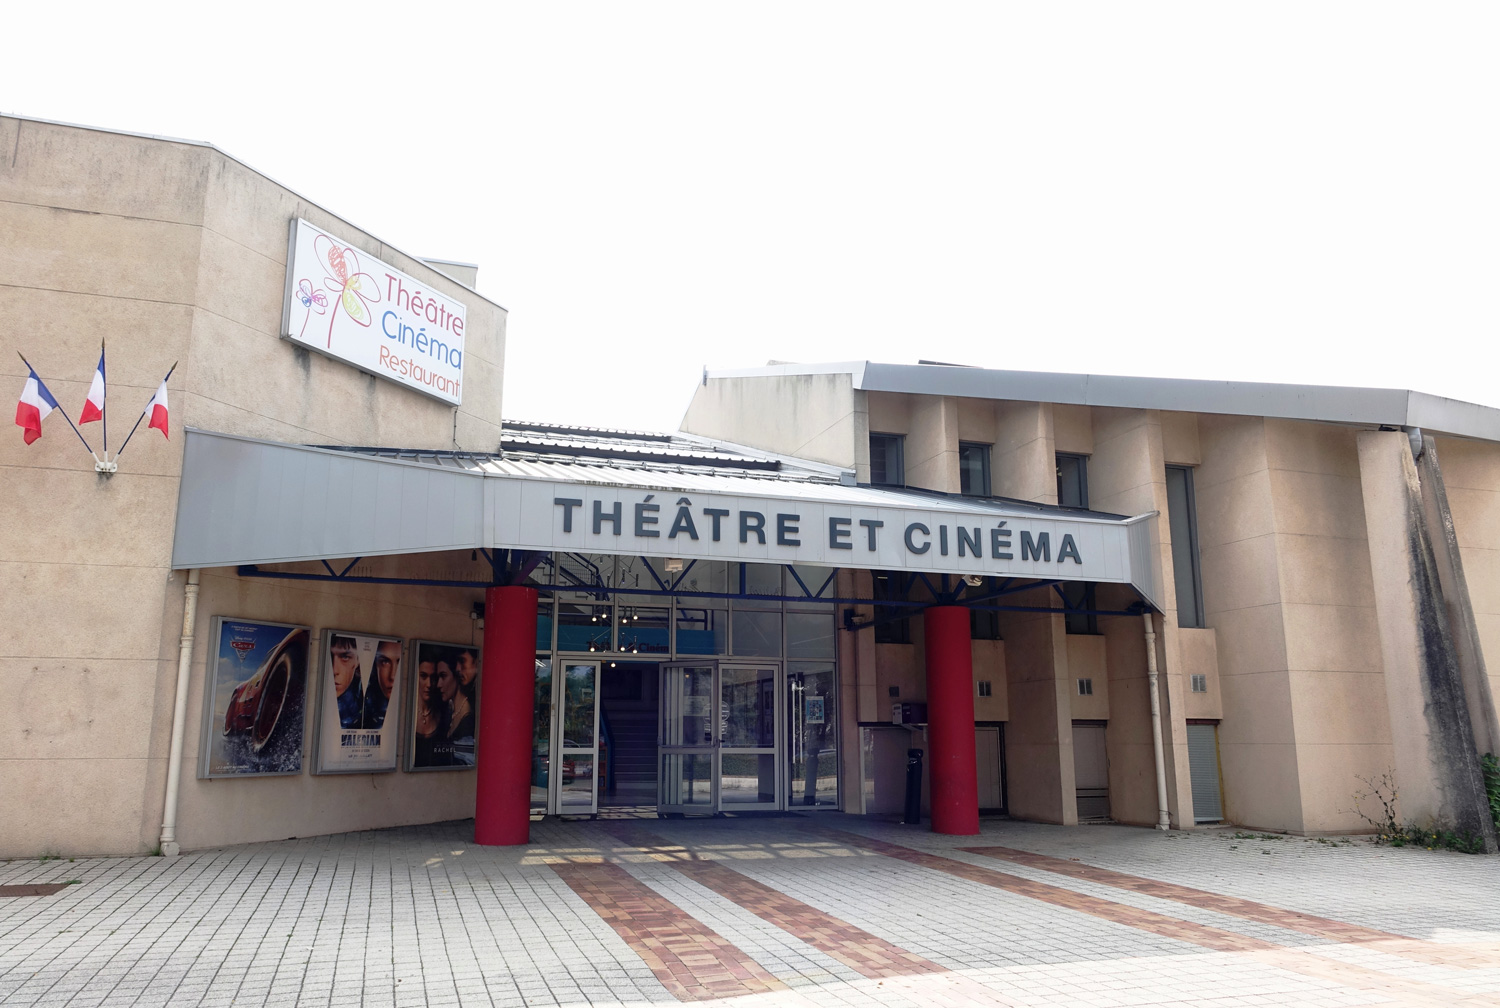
(1203, 765)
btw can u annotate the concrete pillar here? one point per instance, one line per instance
(1437, 767)
(507, 696)
(950, 721)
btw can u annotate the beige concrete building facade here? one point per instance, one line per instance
(175, 251)
(1316, 595)
(1338, 547)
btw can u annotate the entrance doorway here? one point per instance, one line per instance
(628, 694)
(721, 730)
(688, 737)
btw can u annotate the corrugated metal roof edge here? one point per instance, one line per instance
(901, 497)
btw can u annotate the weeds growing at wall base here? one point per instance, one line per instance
(1375, 803)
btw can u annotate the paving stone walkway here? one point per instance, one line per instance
(790, 910)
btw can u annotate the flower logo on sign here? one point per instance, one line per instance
(312, 299)
(353, 288)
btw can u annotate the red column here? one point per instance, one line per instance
(951, 764)
(507, 694)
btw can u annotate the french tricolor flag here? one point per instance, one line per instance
(36, 402)
(158, 410)
(93, 407)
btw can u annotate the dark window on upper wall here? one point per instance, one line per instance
(973, 469)
(1072, 480)
(1080, 595)
(1182, 518)
(887, 465)
(984, 624)
(892, 626)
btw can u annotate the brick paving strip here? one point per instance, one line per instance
(37, 889)
(1410, 992)
(691, 960)
(1292, 920)
(868, 955)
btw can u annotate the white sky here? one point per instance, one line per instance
(1296, 192)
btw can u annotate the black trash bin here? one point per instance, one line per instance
(913, 786)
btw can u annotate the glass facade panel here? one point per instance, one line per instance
(810, 635)
(544, 625)
(541, 732)
(582, 627)
(577, 787)
(758, 579)
(647, 573)
(644, 630)
(731, 735)
(816, 581)
(704, 576)
(747, 779)
(687, 779)
(578, 706)
(579, 572)
(702, 631)
(755, 634)
(812, 735)
(687, 704)
(747, 708)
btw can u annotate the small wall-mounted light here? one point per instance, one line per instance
(973, 580)
(673, 565)
(476, 613)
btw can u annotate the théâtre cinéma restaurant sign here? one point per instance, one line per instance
(350, 306)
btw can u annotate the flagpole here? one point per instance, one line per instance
(59, 408)
(143, 414)
(104, 406)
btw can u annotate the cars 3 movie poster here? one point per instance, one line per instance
(359, 703)
(256, 696)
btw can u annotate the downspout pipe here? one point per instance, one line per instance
(1163, 818)
(169, 845)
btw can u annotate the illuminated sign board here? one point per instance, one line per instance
(350, 306)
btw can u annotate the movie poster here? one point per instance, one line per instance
(359, 703)
(444, 707)
(257, 686)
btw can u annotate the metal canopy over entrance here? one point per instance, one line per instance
(248, 502)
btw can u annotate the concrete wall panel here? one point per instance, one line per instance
(99, 172)
(811, 417)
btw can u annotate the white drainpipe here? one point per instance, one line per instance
(169, 845)
(1163, 820)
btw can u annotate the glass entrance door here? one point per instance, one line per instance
(749, 737)
(720, 738)
(573, 780)
(687, 774)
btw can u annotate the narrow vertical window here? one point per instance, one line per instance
(1182, 518)
(892, 625)
(887, 467)
(1072, 480)
(973, 469)
(1078, 598)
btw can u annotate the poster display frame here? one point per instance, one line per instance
(213, 728)
(409, 724)
(320, 747)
